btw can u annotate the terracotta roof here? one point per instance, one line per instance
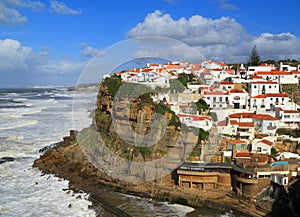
(242, 114)
(290, 111)
(264, 82)
(254, 76)
(242, 124)
(236, 91)
(243, 154)
(225, 83)
(265, 64)
(267, 142)
(270, 95)
(222, 123)
(274, 72)
(264, 117)
(216, 92)
(245, 124)
(234, 141)
(195, 117)
(172, 66)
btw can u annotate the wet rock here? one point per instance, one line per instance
(6, 159)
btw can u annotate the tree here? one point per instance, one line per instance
(254, 58)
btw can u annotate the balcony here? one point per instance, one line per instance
(245, 180)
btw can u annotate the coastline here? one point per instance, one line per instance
(67, 161)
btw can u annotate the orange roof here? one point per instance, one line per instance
(243, 154)
(242, 124)
(271, 95)
(172, 66)
(236, 91)
(274, 72)
(216, 92)
(234, 141)
(265, 64)
(154, 64)
(290, 111)
(147, 70)
(245, 124)
(195, 117)
(242, 114)
(267, 142)
(264, 82)
(225, 83)
(264, 117)
(222, 123)
(254, 76)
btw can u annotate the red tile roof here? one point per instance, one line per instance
(234, 141)
(264, 82)
(290, 111)
(270, 95)
(264, 117)
(267, 142)
(226, 83)
(236, 91)
(216, 92)
(242, 114)
(195, 117)
(243, 154)
(245, 124)
(222, 123)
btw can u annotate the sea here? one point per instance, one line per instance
(32, 118)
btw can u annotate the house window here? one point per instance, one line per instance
(208, 98)
(220, 99)
(270, 87)
(214, 99)
(258, 149)
(220, 105)
(254, 86)
(271, 99)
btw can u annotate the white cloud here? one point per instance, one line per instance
(225, 5)
(23, 63)
(62, 8)
(35, 5)
(219, 39)
(90, 51)
(10, 16)
(196, 30)
(9, 10)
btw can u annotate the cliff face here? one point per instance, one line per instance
(124, 144)
(131, 138)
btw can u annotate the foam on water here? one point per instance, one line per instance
(23, 131)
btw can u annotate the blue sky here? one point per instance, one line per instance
(52, 42)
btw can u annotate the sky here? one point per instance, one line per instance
(55, 42)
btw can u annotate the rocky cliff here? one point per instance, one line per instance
(129, 150)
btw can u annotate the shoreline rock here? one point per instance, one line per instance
(67, 161)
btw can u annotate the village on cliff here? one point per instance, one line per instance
(255, 120)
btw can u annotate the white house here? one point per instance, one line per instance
(265, 124)
(262, 147)
(238, 98)
(264, 67)
(214, 65)
(263, 87)
(198, 121)
(216, 99)
(288, 118)
(269, 101)
(225, 85)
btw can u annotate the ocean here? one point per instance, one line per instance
(34, 117)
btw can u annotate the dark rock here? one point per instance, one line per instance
(6, 159)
